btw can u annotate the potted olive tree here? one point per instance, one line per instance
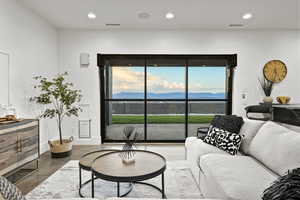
(62, 101)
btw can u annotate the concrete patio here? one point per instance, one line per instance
(155, 131)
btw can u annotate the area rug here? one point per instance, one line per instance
(179, 184)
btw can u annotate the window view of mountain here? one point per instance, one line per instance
(168, 83)
(170, 95)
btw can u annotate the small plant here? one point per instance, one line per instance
(266, 85)
(61, 95)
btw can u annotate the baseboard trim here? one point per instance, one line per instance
(44, 147)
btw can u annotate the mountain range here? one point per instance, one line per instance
(170, 95)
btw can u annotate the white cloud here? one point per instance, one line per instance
(128, 80)
(125, 79)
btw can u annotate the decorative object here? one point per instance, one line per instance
(275, 71)
(130, 135)
(285, 187)
(267, 87)
(231, 123)
(283, 99)
(9, 119)
(64, 100)
(225, 140)
(9, 191)
(261, 112)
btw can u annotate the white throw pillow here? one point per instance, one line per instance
(248, 132)
(277, 147)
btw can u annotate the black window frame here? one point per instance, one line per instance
(103, 59)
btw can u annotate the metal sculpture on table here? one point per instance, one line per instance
(127, 154)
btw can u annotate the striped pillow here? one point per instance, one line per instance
(9, 191)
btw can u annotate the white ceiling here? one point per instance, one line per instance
(189, 14)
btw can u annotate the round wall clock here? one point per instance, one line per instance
(275, 71)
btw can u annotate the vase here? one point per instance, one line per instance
(268, 100)
(128, 153)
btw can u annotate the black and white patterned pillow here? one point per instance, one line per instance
(231, 123)
(9, 191)
(225, 140)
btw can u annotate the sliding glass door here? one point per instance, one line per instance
(207, 95)
(166, 98)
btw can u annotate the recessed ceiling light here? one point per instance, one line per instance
(247, 16)
(170, 15)
(143, 15)
(92, 15)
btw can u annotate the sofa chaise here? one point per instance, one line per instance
(268, 150)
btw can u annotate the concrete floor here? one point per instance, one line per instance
(155, 131)
(47, 165)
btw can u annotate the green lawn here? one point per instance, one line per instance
(161, 119)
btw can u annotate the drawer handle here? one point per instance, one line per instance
(18, 144)
(21, 146)
(3, 140)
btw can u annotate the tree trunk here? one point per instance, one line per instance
(60, 131)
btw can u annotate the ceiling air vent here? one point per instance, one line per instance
(236, 25)
(112, 24)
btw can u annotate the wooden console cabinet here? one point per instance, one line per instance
(19, 144)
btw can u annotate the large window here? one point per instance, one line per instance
(166, 97)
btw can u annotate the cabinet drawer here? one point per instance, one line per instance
(29, 142)
(8, 150)
(7, 140)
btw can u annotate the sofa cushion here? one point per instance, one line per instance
(277, 147)
(238, 177)
(248, 132)
(199, 148)
(231, 123)
(225, 140)
(195, 148)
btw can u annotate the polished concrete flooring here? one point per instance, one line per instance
(47, 165)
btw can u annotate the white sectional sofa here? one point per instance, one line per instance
(268, 151)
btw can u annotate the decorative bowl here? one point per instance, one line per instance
(283, 99)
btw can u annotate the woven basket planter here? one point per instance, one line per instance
(59, 150)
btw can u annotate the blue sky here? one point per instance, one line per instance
(169, 79)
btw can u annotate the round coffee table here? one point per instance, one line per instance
(147, 165)
(85, 163)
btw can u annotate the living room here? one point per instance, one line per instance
(149, 77)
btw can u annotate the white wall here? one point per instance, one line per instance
(254, 49)
(32, 44)
(36, 48)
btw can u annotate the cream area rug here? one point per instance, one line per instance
(64, 183)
